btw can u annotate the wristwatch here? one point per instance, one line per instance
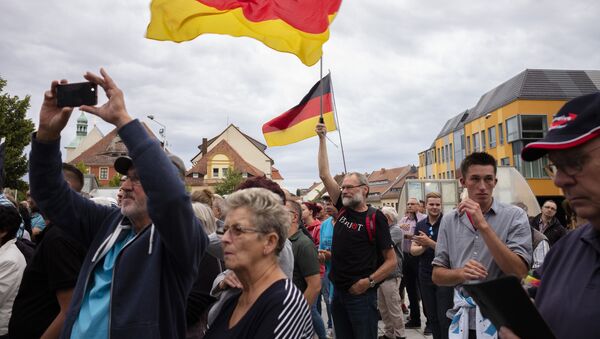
(371, 282)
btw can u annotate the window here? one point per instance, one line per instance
(195, 175)
(468, 144)
(501, 133)
(483, 141)
(439, 157)
(528, 127)
(512, 129)
(225, 171)
(443, 154)
(505, 161)
(450, 151)
(492, 136)
(476, 142)
(452, 174)
(103, 173)
(215, 173)
(533, 126)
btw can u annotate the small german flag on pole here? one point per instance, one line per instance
(299, 122)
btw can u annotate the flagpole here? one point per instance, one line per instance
(321, 120)
(337, 122)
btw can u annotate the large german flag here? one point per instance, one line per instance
(299, 122)
(292, 26)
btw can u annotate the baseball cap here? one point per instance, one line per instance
(576, 123)
(124, 163)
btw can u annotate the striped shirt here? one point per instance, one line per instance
(280, 312)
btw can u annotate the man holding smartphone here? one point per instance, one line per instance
(142, 259)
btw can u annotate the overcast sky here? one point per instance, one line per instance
(400, 69)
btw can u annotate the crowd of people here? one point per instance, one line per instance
(161, 263)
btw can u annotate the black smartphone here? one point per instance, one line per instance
(77, 94)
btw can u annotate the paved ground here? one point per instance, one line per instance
(410, 333)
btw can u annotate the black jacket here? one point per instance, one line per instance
(554, 232)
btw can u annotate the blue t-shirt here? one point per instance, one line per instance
(326, 238)
(37, 221)
(92, 321)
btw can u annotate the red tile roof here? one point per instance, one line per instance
(106, 150)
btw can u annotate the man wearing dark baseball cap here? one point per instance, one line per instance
(143, 258)
(570, 276)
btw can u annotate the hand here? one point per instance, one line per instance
(423, 240)
(230, 281)
(506, 333)
(474, 270)
(360, 286)
(114, 110)
(474, 212)
(321, 130)
(53, 119)
(324, 256)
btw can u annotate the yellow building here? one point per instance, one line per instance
(503, 121)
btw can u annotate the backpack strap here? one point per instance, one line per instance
(370, 223)
(339, 215)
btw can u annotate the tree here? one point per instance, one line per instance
(82, 167)
(233, 179)
(17, 129)
(115, 181)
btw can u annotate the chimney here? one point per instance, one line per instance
(204, 146)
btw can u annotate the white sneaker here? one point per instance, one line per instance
(329, 333)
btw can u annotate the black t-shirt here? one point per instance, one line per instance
(55, 266)
(199, 300)
(279, 312)
(425, 259)
(353, 255)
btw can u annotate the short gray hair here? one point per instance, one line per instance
(362, 179)
(206, 216)
(267, 209)
(390, 213)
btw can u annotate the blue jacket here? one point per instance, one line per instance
(154, 273)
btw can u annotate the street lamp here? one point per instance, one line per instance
(162, 132)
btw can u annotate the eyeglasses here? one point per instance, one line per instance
(570, 165)
(237, 230)
(349, 187)
(134, 179)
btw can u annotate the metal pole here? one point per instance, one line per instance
(321, 120)
(337, 122)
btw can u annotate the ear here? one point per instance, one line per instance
(271, 241)
(462, 181)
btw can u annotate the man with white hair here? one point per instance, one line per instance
(362, 251)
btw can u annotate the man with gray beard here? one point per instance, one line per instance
(143, 258)
(362, 251)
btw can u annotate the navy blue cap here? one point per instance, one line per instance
(576, 123)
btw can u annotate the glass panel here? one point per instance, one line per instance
(414, 190)
(501, 133)
(512, 129)
(449, 194)
(432, 187)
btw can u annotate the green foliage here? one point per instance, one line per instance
(233, 179)
(82, 167)
(115, 181)
(17, 129)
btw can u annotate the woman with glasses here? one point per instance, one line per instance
(269, 305)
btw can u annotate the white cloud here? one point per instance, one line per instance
(400, 69)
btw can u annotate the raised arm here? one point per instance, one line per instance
(64, 207)
(331, 185)
(169, 205)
